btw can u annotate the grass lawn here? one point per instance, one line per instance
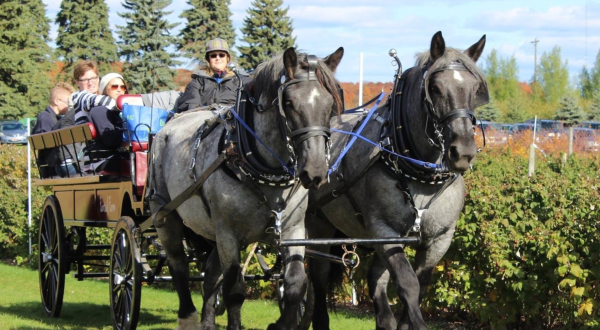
(86, 306)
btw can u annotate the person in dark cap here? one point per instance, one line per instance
(214, 82)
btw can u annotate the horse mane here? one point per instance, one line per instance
(267, 78)
(450, 55)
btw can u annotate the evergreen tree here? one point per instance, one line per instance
(488, 112)
(143, 43)
(594, 114)
(267, 31)
(585, 84)
(554, 75)
(569, 111)
(207, 19)
(82, 38)
(25, 58)
(594, 78)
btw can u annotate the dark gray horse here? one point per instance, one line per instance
(295, 96)
(376, 194)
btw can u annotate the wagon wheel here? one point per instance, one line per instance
(53, 259)
(125, 276)
(307, 304)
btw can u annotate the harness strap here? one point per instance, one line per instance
(158, 218)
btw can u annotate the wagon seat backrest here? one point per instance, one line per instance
(139, 150)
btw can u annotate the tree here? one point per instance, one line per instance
(25, 58)
(589, 80)
(267, 31)
(207, 19)
(502, 77)
(585, 83)
(143, 43)
(594, 114)
(488, 112)
(569, 111)
(80, 38)
(553, 75)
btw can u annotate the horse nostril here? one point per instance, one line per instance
(454, 154)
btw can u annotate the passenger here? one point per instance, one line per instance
(214, 82)
(59, 97)
(109, 126)
(86, 77)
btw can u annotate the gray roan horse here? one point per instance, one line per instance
(296, 95)
(378, 195)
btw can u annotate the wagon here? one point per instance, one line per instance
(114, 200)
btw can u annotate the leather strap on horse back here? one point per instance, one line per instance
(158, 218)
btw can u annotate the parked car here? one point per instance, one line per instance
(589, 124)
(588, 136)
(13, 132)
(522, 127)
(549, 128)
(494, 132)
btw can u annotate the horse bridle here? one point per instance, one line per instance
(297, 137)
(441, 122)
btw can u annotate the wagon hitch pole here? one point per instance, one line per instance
(350, 241)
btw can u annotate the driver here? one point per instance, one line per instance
(214, 82)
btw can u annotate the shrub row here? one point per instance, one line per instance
(526, 252)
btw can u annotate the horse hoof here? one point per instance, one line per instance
(273, 326)
(189, 323)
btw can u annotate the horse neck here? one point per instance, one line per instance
(267, 129)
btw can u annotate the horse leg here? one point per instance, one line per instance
(378, 278)
(212, 272)
(427, 257)
(319, 271)
(171, 238)
(407, 284)
(294, 281)
(234, 287)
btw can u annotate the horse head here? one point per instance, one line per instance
(453, 88)
(308, 97)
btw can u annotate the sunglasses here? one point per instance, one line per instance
(221, 55)
(116, 86)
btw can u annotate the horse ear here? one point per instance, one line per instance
(334, 59)
(475, 51)
(438, 46)
(290, 62)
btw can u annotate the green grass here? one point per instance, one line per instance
(86, 306)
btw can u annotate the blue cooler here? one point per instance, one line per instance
(140, 121)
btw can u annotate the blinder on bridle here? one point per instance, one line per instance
(300, 135)
(440, 122)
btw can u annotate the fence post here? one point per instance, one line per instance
(570, 141)
(531, 159)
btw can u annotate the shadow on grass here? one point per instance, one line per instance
(83, 316)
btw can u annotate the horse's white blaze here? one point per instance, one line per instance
(458, 76)
(312, 98)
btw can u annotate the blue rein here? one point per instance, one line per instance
(355, 136)
(284, 165)
(437, 167)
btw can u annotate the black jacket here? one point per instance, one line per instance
(45, 120)
(204, 90)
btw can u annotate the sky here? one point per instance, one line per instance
(373, 27)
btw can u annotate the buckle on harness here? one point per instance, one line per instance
(417, 225)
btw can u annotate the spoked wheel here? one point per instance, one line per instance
(125, 276)
(53, 257)
(307, 305)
